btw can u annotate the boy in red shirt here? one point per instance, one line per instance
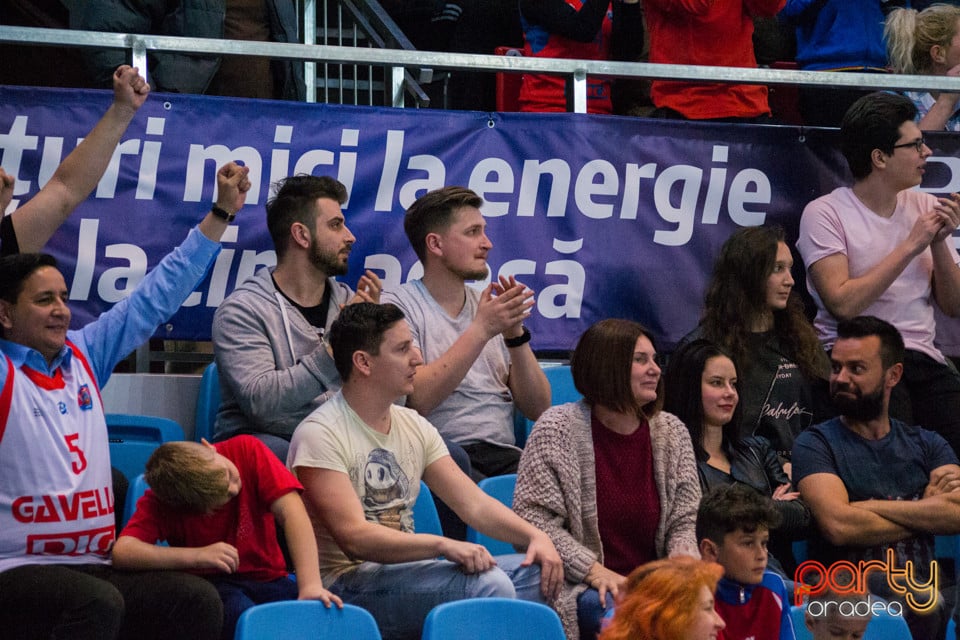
(733, 528)
(217, 507)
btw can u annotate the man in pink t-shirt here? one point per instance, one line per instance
(883, 248)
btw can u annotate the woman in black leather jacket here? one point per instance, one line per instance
(701, 388)
(752, 311)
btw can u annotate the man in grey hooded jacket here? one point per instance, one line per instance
(274, 366)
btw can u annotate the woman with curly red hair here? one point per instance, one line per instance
(669, 599)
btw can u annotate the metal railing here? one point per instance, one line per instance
(349, 23)
(400, 65)
(379, 58)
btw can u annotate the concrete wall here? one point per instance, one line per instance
(151, 394)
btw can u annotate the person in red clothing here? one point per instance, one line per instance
(583, 29)
(733, 528)
(217, 507)
(715, 33)
(668, 599)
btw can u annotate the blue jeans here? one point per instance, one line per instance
(590, 613)
(401, 595)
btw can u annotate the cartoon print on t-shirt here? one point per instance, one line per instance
(386, 487)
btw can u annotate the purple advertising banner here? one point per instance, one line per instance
(601, 216)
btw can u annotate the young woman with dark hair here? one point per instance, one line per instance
(752, 311)
(701, 388)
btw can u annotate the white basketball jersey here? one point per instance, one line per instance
(56, 489)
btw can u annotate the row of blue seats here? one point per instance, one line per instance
(478, 619)
(208, 400)
(133, 437)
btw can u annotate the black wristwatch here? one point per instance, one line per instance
(519, 341)
(222, 213)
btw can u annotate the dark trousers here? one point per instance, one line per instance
(825, 107)
(590, 613)
(479, 460)
(929, 395)
(488, 460)
(666, 113)
(239, 594)
(453, 526)
(96, 602)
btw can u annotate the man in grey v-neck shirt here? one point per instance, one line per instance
(478, 360)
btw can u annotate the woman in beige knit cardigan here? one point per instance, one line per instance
(611, 479)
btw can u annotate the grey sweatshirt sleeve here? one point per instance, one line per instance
(270, 378)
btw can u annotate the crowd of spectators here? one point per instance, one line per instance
(764, 427)
(865, 36)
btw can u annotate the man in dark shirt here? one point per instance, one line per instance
(880, 490)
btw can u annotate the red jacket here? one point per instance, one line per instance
(707, 32)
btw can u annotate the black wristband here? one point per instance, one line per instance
(519, 341)
(222, 213)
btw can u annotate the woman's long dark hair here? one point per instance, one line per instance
(683, 392)
(737, 295)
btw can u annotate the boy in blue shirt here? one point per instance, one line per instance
(733, 528)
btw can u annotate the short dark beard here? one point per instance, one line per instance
(327, 262)
(863, 408)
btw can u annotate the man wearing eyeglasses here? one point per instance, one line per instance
(882, 248)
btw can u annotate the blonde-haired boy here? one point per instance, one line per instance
(218, 507)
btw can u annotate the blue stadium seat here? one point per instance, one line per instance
(492, 619)
(947, 552)
(501, 488)
(521, 428)
(800, 550)
(208, 403)
(138, 487)
(562, 390)
(425, 517)
(799, 625)
(306, 620)
(133, 438)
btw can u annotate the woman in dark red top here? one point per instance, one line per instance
(611, 479)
